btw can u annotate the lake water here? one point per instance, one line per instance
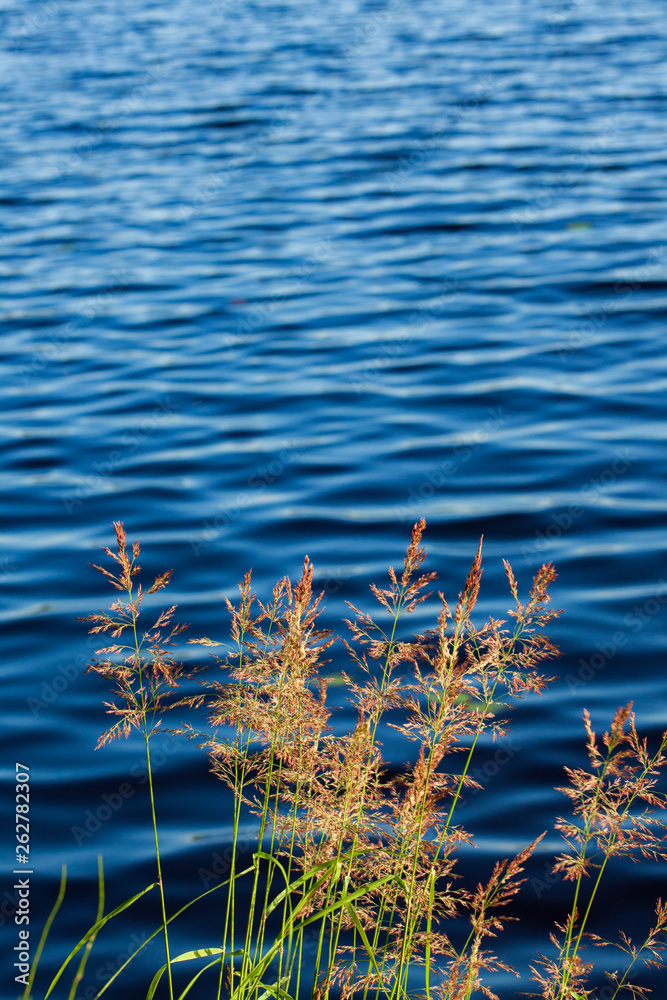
(281, 278)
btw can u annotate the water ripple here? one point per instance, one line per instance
(281, 279)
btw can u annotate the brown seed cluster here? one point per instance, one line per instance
(347, 847)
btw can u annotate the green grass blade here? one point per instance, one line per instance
(93, 930)
(362, 934)
(91, 940)
(45, 932)
(154, 982)
(253, 980)
(196, 977)
(187, 956)
(343, 901)
(276, 991)
(160, 930)
(429, 923)
(296, 885)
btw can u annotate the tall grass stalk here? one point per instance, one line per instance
(91, 940)
(143, 679)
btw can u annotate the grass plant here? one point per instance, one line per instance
(352, 889)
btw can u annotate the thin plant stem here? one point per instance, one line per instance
(45, 933)
(589, 836)
(158, 862)
(100, 913)
(137, 645)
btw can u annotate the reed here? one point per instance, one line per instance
(352, 889)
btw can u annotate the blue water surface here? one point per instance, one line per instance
(282, 278)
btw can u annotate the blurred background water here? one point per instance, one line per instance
(281, 278)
